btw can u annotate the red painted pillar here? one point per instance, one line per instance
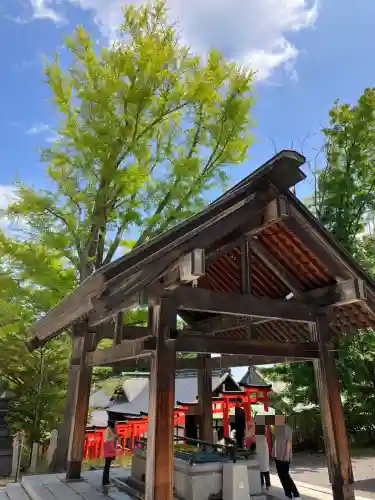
(265, 400)
(226, 418)
(247, 407)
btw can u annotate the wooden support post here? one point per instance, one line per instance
(83, 342)
(159, 463)
(246, 278)
(119, 324)
(205, 398)
(334, 430)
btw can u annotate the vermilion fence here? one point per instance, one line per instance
(129, 433)
(133, 430)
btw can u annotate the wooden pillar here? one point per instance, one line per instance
(117, 338)
(83, 342)
(334, 430)
(159, 463)
(205, 398)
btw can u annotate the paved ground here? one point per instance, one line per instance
(312, 469)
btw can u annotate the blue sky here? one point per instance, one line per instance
(307, 54)
(332, 58)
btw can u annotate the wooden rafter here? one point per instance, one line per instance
(274, 265)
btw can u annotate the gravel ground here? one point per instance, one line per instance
(312, 469)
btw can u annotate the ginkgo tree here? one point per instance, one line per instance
(145, 132)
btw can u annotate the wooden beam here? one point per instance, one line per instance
(205, 397)
(159, 463)
(333, 421)
(197, 299)
(276, 210)
(231, 361)
(198, 343)
(274, 265)
(220, 345)
(118, 331)
(127, 349)
(246, 273)
(217, 362)
(344, 292)
(68, 310)
(246, 283)
(186, 269)
(128, 332)
(80, 402)
(199, 236)
(340, 294)
(220, 324)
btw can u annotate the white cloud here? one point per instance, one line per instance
(38, 128)
(7, 194)
(42, 10)
(254, 32)
(54, 137)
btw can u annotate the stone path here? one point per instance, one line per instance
(309, 471)
(312, 469)
(54, 487)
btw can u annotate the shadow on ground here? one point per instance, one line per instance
(312, 468)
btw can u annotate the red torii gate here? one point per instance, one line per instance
(227, 400)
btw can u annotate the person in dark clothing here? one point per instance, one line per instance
(239, 424)
(283, 456)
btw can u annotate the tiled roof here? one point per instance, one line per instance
(136, 394)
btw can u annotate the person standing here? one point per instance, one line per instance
(239, 423)
(283, 456)
(263, 455)
(109, 448)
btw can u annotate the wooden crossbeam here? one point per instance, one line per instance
(218, 362)
(197, 299)
(128, 332)
(119, 352)
(220, 345)
(197, 343)
(340, 294)
(344, 292)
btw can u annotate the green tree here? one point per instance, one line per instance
(145, 131)
(37, 380)
(344, 201)
(344, 197)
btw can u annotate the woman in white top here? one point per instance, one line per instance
(263, 455)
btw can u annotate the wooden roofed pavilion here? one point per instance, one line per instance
(255, 277)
